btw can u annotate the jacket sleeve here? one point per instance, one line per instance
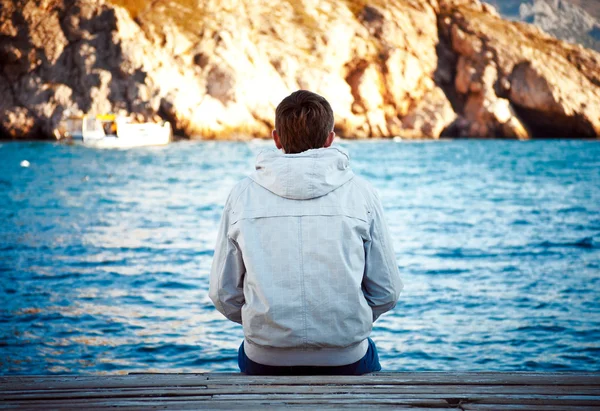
(381, 280)
(227, 273)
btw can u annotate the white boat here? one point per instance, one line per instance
(111, 131)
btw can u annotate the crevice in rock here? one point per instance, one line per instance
(36, 129)
(445, 72)
(554, 125)
(167, 112)
(352, 78)
(372, 19)
(445, 76)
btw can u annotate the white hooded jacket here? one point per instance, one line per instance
(304, 260)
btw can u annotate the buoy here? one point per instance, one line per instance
(25, 163)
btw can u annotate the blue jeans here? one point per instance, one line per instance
(369, 363)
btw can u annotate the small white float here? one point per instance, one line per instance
(112, 131)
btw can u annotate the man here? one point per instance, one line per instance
(304, 260)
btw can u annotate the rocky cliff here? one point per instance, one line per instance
(575, 21)
(413, 68)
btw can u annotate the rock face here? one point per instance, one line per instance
(516, 81)
(575, 21)
(64, 56)
(411, 68)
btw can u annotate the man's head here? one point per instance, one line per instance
(303, 120)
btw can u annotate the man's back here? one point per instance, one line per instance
(305, 261)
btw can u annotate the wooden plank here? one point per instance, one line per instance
(315, 389)
(407, 389)
(359, 397)
(229, 406)
(274, 406)
(425, 378)
(525, 407)
(470, 391)
(487, 398)
(100, 381)
(186, 405)
(421, 378)
(144, 403)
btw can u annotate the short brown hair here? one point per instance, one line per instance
(303, 121)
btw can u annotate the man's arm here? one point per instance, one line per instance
(381, 281)
(227, 273)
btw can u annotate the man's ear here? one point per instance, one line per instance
(330, 138)
(276, 139)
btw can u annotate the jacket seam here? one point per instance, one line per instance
(361, 190)
(387, 263)
(302, 285)
(287, 186)
(256, 209)
(220, 282)
(234, 244)
(229, 208)
(299, 215)
(230, 242)
(315, 176)
(383, 242)
(362, 193)
(246, 184)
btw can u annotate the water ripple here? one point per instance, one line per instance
(105, 255)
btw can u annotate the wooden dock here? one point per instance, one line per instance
(429, 391)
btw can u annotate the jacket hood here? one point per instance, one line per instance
(303, 176)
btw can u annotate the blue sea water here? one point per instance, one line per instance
(105, 255)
